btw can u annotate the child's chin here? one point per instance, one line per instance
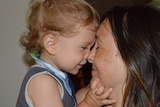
(74, 72)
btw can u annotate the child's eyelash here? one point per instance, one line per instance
(92, 46)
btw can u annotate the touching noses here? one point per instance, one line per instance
(86, 55)
(92, 54)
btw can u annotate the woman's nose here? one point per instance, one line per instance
(91, 57)
(92, 54)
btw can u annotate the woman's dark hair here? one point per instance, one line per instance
(136, 30)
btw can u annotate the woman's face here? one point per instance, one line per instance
(108, 65)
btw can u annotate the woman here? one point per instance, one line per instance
(128, 56)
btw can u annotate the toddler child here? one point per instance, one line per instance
(60, 35)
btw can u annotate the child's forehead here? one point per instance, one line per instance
(90, 27)
(90, 41)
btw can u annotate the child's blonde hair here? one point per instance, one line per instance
(62, 16)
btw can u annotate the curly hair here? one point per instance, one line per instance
(55, 16)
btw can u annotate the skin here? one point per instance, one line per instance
(108, 65)
(67, 54)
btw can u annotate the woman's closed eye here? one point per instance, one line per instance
(97, 47)
(84, 47)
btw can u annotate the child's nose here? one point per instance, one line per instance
(86, 55)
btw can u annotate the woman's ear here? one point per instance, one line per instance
(49, 42)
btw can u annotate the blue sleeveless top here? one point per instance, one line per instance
(68, 98)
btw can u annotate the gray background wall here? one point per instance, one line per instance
(12, 24)
(12, 68)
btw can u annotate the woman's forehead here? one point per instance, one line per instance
(104, 29)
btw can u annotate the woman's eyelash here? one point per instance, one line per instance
(84, 47)
(97, 47)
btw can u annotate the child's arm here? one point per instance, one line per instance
(44, 91)
(95, 95)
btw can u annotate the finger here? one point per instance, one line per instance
(93, 84)
(108, 102)
(100, 91)
(106, 94)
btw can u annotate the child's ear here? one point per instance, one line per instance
(49, 42)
